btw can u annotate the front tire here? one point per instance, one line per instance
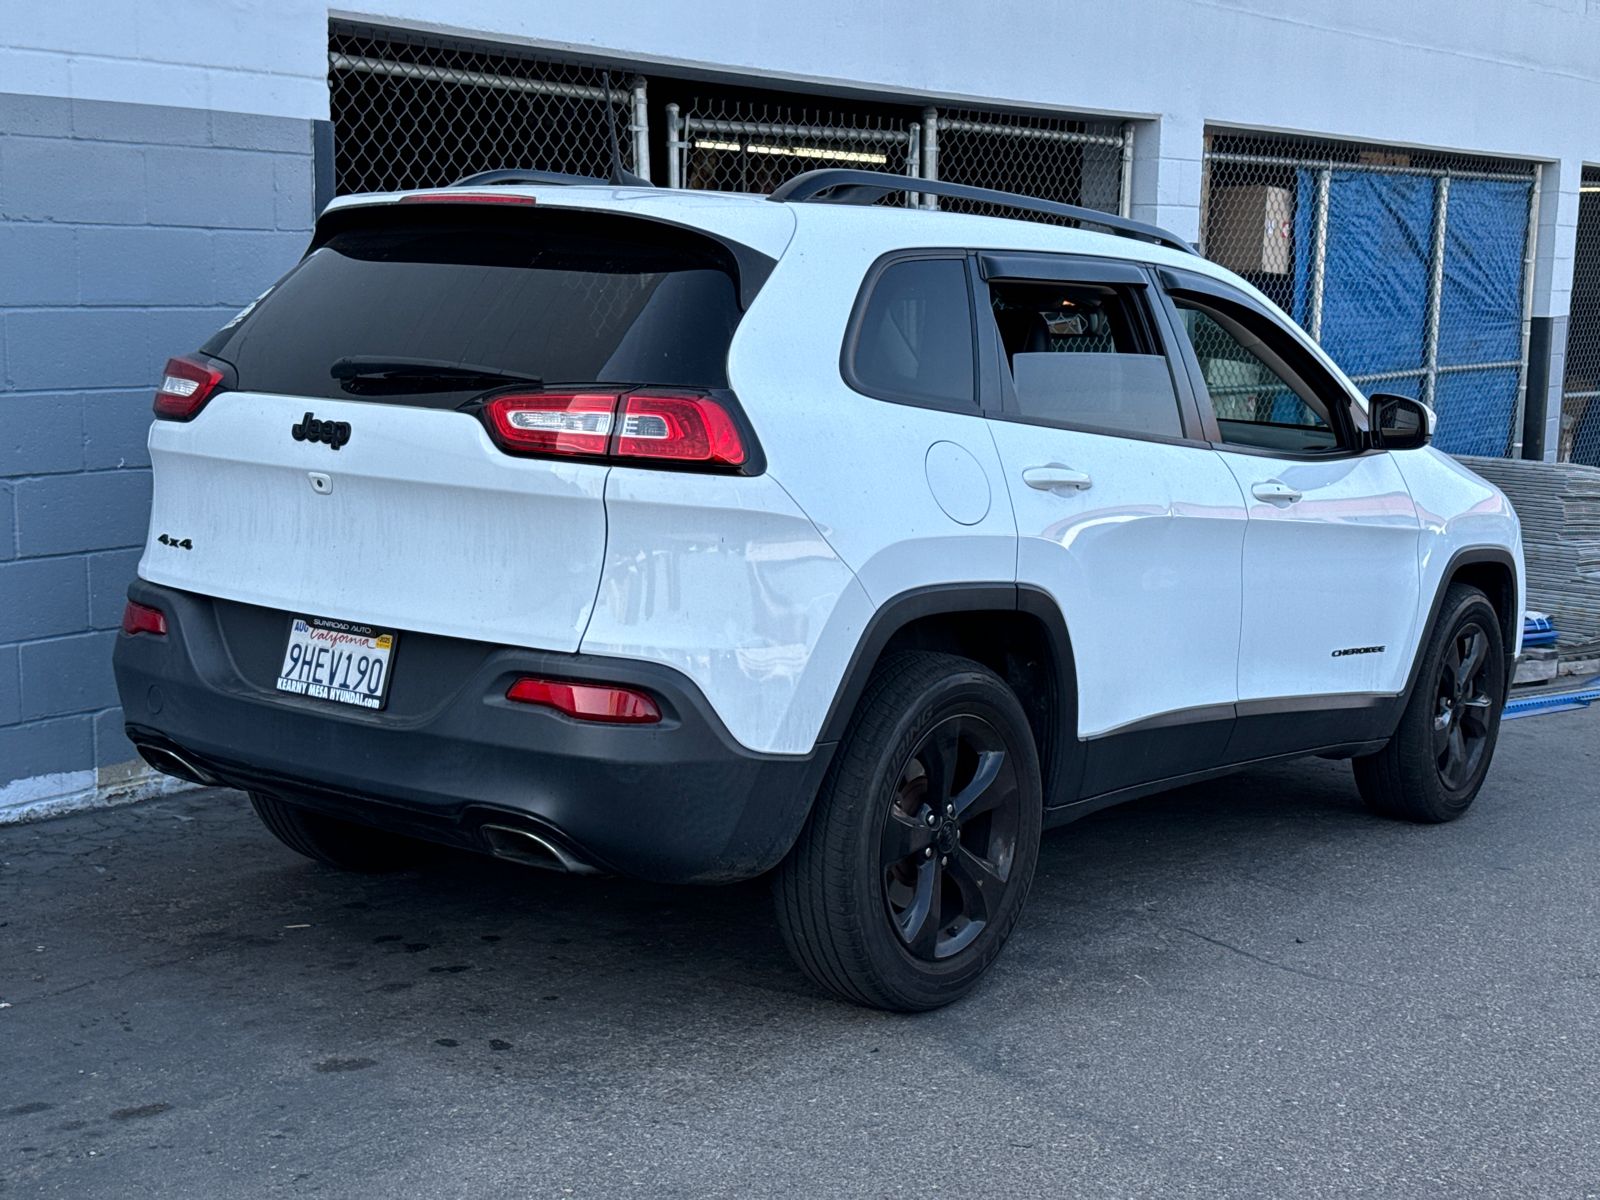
(1434, 765)
(336, 843)
(914, 864)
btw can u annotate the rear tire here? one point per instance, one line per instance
(1434, 765)
(914, 864)
(336, 843)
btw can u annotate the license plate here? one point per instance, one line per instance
(337, 660)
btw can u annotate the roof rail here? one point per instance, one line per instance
(519, 175)
(866, 187)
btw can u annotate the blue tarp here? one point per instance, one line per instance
(1375, 291)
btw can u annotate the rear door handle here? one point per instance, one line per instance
(1275, 491)
(1056, 476)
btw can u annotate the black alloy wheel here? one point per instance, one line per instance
(950, 838)
(1463, 707)
(917, 857)
(1433, 766)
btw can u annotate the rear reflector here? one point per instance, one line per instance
(186, 385)
(670, 427)
(140, 618)
(587, 701)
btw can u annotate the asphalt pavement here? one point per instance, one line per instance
(1248, 988)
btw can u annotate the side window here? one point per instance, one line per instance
(914, 343)
(1259, 400)
(1085, 355)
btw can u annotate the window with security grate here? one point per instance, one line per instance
(1408, 266)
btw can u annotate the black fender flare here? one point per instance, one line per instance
(1465, 557)
(1062, 756)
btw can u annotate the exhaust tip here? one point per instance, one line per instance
(531, 850)
(170, 762)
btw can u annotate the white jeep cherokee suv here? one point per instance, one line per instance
(691, 536)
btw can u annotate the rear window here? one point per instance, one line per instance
(432, 304)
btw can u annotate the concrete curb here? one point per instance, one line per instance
(76, 791)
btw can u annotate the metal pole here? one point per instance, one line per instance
(674, 147)
(1319, 254)
(641, 129)
(1205, 195)
(1529, 254)
(1125, 184)
(1430, 350)
(930, 151)
(914, 162)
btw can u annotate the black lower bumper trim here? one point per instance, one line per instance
(679, 801)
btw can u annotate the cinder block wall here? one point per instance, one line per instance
(128, 233)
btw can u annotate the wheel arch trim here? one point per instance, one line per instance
(1062, 760)
(1467, 556)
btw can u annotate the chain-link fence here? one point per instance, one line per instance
(1412, 269)
(1580, 386)
(737, 145)
(1050, 156)
(411, 110)
(731, 145)
(414, 112)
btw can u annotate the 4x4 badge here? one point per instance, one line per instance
(335, 433)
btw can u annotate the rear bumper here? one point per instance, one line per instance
(678, 801)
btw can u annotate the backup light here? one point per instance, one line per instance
(186, 385)
(587, 702)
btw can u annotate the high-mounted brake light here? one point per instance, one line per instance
(587, 702)
(141, 618)
(465, 198)
(668, 427)
(186, 385)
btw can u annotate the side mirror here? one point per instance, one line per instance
(1397, 423)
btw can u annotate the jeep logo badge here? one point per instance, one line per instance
(335, 433)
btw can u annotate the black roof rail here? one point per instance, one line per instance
(518, 175)
(865, 187)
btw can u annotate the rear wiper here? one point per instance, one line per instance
(414, 374)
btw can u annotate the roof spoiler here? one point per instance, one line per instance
(844, 186)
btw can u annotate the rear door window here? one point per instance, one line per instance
(1085, 355)
(913, 340)
(432, 304)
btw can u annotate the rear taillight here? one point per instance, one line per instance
(587, 701)
(680, 428)
(141, 618)
(186, 385)
(554, 422)
(670, 427)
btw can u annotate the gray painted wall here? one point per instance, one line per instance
(128, 233)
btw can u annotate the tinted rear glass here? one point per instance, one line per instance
(558, 296)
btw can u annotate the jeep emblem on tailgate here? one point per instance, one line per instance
(335, 433)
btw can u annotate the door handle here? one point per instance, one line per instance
(1056, 476)
(1275, 491)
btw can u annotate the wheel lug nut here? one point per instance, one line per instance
(928, 853)
(949, 810)
(944, 860)
(932, 819)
